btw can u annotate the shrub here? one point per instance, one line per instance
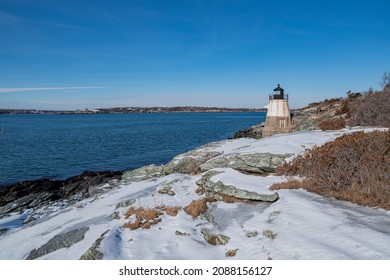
(290, 184)
(332, 124)
(354, 167)
(371, 109)
(344, 108)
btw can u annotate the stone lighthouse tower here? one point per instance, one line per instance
(278, 114)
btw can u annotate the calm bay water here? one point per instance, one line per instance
(60, 146)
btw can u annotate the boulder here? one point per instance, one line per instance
(257, 163)
(143, 173)
(63, 240)
(218, 189)
(189, 163)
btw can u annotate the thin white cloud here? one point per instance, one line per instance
(44, 88)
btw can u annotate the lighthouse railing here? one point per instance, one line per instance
(278, 96)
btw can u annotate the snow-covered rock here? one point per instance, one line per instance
(143, 173)
(256, 163)
(218, 183)
(189, 163)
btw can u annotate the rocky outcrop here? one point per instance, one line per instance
(64, 240)
(220, 190)
(255, 131)
(93, 253)
(37, 193)
(257, 163)
(143, 173)
(310, 117)
(188, 163)
(3, 231)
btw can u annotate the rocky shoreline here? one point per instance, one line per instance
(210, 202)
(32, 194)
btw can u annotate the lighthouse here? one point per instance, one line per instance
(278, 114)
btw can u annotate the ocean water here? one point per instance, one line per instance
(60, 146)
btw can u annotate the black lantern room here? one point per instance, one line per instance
(279, 92)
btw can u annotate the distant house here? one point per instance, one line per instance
(278, 114)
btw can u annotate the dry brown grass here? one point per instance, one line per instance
(213, 240)
(144, 218)
(198, 207)
(290, 184)
(169, 210)
(354, 167)
(231, 253)
(332, 124)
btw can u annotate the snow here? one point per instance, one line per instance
(300, 225)
(246, 182)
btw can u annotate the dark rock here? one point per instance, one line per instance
(251, 234)
(64, 240)
(36, 193)
(181, 233)
(255, 132)
(3, 231)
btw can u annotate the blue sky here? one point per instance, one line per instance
(227, 53)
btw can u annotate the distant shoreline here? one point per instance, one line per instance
(129, 110)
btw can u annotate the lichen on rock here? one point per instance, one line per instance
(142, 174)
(188, 163)
(219, 189)
(254, 163)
